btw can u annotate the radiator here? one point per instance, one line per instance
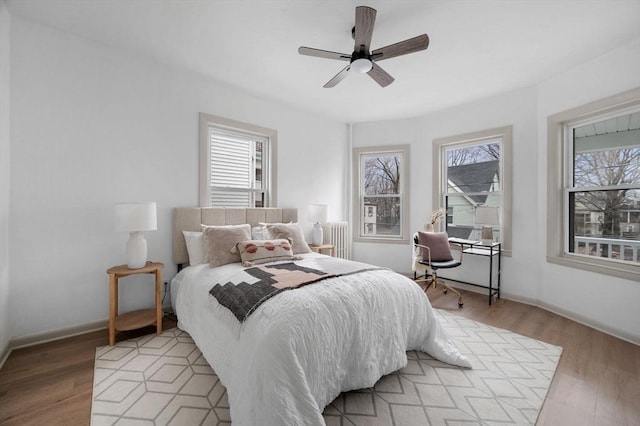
(337, 233)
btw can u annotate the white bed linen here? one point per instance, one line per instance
(301, 348)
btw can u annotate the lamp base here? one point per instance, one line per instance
(136, 250)
(317, 236)
(487, 235)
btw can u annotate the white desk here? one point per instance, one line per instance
(477, 248)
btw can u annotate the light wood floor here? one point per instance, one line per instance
(597, 382)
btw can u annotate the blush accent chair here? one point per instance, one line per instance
(432, 251)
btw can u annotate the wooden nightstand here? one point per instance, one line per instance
(135, 319)
(318, 249)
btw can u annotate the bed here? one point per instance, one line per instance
(298, 350)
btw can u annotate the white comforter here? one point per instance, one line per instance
(299, 350)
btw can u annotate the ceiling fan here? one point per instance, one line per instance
(362, 60)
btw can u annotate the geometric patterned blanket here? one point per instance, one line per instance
(245, 291)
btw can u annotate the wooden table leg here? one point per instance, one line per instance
(158, 302)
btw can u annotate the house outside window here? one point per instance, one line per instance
(237, 161)
(471, 171)
(593, 187)
(381, 194)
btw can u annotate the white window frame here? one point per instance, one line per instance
(559, 168)
(358, 193)
(505, 134)
(208, 121)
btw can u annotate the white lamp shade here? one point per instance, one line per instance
(487, 215)
(132, 217)
(318, 213)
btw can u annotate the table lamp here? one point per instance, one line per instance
(487, 217)
(317, 216)
(135, 218)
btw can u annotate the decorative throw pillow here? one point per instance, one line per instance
(438, 243)
(194, 247)
(221, 241)
(290, 231)
(254, 252)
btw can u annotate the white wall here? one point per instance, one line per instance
(92, 126)
(5, 21)
(607, 303)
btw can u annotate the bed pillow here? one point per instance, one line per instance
(258, 232)
(222, 240)
(195, 249)
(255, 252)
(438, 242)
(290, 231)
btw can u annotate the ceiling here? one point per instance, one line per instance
(478, 48)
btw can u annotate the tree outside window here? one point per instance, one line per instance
(381, 193)
(604, 195)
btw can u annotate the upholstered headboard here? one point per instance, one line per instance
(190, 219)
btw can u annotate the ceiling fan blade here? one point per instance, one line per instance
(411, 45)
(338, 77)
(310, 51)
(365, 20)
(380, 76)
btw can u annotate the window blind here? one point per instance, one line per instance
(234, 166)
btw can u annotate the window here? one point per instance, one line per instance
(471, 171)
(593, 205)
(380, 174)
(237, 161)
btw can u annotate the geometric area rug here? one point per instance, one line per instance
(165, 380)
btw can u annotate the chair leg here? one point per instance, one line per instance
(447, 288)
(429, 281)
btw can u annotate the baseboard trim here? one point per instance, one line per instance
(628, 337)
(4, 354)
(517, 298)
(61, 333)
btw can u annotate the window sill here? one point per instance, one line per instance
(605, 267)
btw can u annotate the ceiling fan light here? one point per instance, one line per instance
(361, 65)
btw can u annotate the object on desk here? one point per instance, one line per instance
(487, 217)
(435, 217)
(432, 251)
